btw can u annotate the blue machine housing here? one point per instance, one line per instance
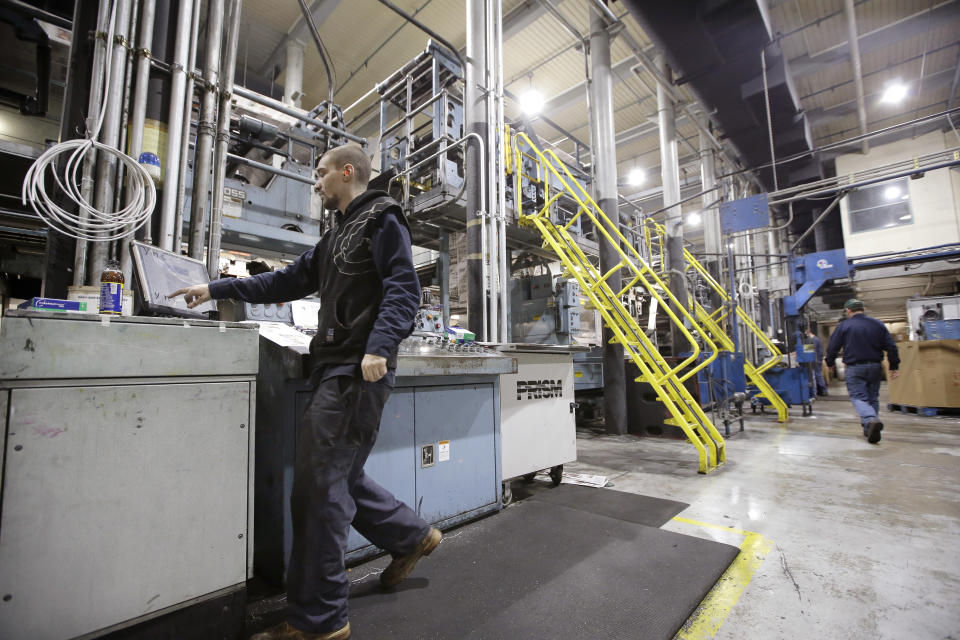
(810, 272)
(793, 384)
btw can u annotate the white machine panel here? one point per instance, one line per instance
(113, 503)
(537, 421)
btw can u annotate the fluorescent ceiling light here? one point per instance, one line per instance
(894, 93)
(636, 177)
(694, 219)
(906, 217)
(531, 102)
(891, 193)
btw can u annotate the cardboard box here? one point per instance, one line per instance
(929, 374)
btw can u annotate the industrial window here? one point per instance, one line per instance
(879, 207)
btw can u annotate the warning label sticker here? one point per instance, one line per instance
(443, 451)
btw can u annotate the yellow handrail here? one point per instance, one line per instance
(754, 372)
(667, 381)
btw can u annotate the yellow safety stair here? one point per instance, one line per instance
(654, 234)
(667, 381)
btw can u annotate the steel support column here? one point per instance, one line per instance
(605, 187)
(670, 176)
(475, 117)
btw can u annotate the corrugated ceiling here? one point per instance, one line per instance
(367, 42)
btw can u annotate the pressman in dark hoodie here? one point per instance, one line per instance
(369, 296)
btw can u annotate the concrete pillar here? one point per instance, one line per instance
(293, 76)
(605, 186)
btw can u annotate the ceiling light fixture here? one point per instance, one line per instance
(694, 219)
(636, 177)
(894, 93)
(531, 102)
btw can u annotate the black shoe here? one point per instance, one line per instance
(874, 427)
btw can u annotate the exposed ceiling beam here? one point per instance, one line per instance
(321, 10)
(821, 117)
(577, 93)
(889, 34)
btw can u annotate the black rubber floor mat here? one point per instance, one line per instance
(652, 512)
(541, 571)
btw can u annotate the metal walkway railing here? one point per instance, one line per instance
(665, 379)
(654, 234)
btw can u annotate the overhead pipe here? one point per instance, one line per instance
(857, 68)
(138, 111)
(277, 105)
(110, 133)
(171, 164)
(206, 129)
(229, 65)
(98, 76)
(185, 133)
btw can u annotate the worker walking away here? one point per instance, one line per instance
(369, 293)
(863, 340)
(819, 382)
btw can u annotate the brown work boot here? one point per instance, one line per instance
(286, 631)
(401, 567)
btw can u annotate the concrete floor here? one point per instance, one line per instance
(858, 540)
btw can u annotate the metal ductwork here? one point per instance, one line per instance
(715, 47)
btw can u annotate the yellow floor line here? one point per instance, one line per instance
(713, 611)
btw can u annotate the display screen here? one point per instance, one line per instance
(160, 273)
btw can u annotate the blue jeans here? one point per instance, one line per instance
(863, 385)
(331, 492)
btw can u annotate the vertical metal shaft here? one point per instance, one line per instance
(206, 129)
(223, 139)
(605, 186)
(854, 43)
(443, 275)
(98, 77)
(475, 118)
(171, 164)
(293, 76)
(501, 182)
(110, 133)
(670, 176)
(708, 180)
(185, 134)
(493, 243)
(138, 112)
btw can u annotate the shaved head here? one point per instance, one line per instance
(352, 154)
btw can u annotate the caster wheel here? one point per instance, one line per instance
(556, 474)
(528, 477)
(506, 497)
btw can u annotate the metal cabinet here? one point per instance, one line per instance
(438, 449)
(127, 497)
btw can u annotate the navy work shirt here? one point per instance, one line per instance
(392, 256)
(862, 339)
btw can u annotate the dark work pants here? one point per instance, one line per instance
(331, 492)
(863, 385)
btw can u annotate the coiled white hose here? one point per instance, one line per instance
(89, 223)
